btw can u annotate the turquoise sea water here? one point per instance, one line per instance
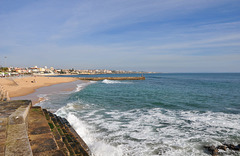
(166, 114)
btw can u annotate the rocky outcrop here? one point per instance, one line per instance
(214, 151)
(233, 147)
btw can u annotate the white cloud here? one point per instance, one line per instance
(96, 16)
(221, 41)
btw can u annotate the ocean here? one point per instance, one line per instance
(166, 114)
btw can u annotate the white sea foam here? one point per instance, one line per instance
(45, 97)
(65, 110)
(110, 81)
(151, 132)
(114, 82)
(170, 133)
(98, 147)
(42, 99)
(79, 87)
(83, 85)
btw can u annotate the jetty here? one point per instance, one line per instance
(111, 78)
(27, 130)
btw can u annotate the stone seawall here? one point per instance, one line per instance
(61, 127)
(14, 128)
(28, 130)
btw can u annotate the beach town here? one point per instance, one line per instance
(16, 71)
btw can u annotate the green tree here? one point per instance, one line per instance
(4, 69)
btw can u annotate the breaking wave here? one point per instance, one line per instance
(150, 132)
(114, 82)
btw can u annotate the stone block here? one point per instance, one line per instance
(3, 121)
(19, 116)
(42, 143)
(2, 148)
(37, 124)
(3, 128)
(18, 147)
(17, 131)
(2, 141)
(17, 141)
(51, 153)
(3, 135)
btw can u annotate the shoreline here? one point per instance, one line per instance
(40, 93)
(26, 85)
(20, 88)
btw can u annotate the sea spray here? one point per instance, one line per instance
(98, 147)
(160, 131)
(83, 85)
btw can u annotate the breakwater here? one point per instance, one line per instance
(111, 78)
(28, 130)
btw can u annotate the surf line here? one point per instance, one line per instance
(111, 78)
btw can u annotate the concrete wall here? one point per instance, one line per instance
(3, 94)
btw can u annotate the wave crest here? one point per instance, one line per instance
(110, 81)
(114, 82)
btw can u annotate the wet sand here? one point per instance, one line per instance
(20, 86)
(39, 93)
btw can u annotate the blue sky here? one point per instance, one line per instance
(142, 35)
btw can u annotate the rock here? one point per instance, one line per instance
(212, 149)
(237, 148)
(223, 147)
(233, 147)
(230, 146)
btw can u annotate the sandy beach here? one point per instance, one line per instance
(20, 86)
